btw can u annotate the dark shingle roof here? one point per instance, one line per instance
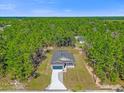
(60, 55)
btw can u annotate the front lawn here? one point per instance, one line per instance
(78, 78)
(6, 84)
(43, 80)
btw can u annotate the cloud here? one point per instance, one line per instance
(42, 11)
(40, 1)
(51, 2)
(68, 10)
(53, 12)
(45, 1)
(7, 6)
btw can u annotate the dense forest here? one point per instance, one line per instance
(22, 41)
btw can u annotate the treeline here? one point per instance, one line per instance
(22, 44)
(105, 49)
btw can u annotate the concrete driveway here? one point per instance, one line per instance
(57, 81)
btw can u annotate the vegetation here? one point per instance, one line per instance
(105, 49)
(6, 84)
(23, 41)
(43, 76)
(78, 78)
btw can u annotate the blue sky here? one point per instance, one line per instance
(61, 7)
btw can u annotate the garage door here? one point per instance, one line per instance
(57, 67)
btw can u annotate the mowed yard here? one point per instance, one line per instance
(78, 78)
(6, 84)
(44, 71)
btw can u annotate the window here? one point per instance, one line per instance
(57, 67)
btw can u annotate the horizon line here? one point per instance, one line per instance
(67, 16)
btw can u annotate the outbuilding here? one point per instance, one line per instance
(62, 59)
(80, 39)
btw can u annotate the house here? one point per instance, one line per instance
(79, 39)
(62, 59)
(2, 26)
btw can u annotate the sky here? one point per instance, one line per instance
(61, 8)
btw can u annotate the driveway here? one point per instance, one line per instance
(57, 81)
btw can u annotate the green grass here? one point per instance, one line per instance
(39, 83)
(43, 80)
(78, 78)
